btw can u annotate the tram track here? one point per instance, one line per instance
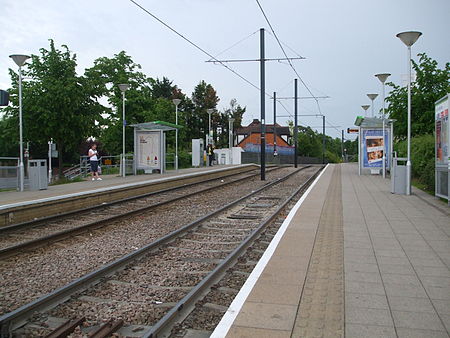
(60, 226)
(196, 253)
(34, 273)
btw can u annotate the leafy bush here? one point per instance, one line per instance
(422, 158)
(184, 159)
(332, 157)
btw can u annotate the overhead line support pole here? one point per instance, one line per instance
(274, 123)
(323, 139)
(295, 123)
(263, 107)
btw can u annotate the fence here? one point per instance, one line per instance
(9, 172)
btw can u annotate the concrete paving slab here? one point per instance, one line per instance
(271, 293)
(398, 303)
(368, 316)
(417, 320)
(415, 333)
(270, 316)
(357, 300)
(369, 331)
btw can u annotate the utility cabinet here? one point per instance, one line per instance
(198, 147)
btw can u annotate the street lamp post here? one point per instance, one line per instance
(365, 107)
(409, 38)
(230, 138)
(383, 77)
(372, 97)
(123, 88)
(176, 102)
(20, 60)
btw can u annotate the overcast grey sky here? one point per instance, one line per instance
(345, 43)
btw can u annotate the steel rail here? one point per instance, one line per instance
(164, 324)
(18, 317)
(58, 236)
(19, 226)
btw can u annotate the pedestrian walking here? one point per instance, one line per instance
(93, 158)
(210, 153)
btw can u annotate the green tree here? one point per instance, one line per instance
(431, 84)
(309, 143)
(57, 103)
(106, 75)
(204, 97)
(162, 88)
(235, 111)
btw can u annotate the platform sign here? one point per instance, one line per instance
(148, 149)
(442, 151)
(373, 147)
(442, 132)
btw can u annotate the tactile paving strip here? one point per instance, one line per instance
(321, 308)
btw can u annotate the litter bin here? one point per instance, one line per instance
(37, 173)
(398, 175)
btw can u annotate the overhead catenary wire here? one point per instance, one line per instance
(203, 50)
(193, 43)
(285, 54)
(282, 48)
(235, 44)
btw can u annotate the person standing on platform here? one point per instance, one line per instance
(93, 158)
(210, 153)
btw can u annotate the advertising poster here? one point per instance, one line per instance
(148, 148)
(442, 133)
(373, 146)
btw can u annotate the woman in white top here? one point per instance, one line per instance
(94, 162)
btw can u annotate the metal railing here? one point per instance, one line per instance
(108, 164)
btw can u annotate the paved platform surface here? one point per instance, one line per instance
(108, 181)
(350, 260)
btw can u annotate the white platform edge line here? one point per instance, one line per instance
(229, 317)
(126, 185)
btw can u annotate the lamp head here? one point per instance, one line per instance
(123, 87)
(210, 111)
(176, 102)
(365, 107)
(382, 77)
(372, 96)
(409, 38)
(231, 120)
(19, 59)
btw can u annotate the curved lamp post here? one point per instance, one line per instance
(123, 88)
(383, 77)
(409, 38)
(176, 102)
(372, 97)
(20, 60)
(365, 107)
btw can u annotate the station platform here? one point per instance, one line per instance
(351, 259)
(66, 197)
